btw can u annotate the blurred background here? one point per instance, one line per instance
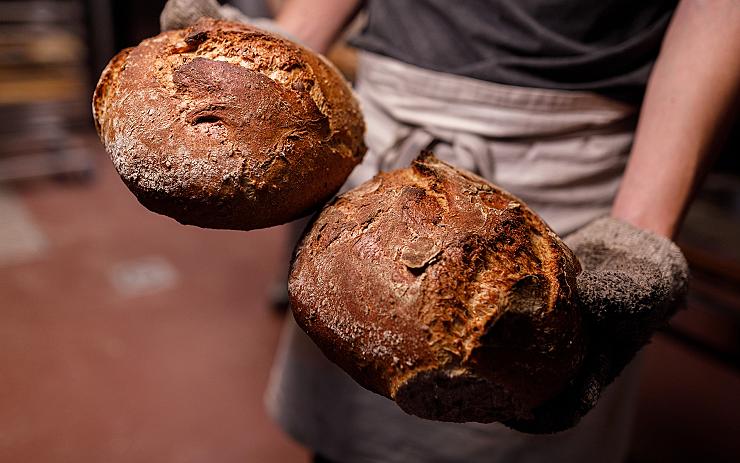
(125, 337)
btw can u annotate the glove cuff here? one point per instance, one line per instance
(618, 235)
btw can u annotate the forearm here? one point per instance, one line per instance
(690, 94)
(316, 23)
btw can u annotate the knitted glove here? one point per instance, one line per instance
(632, 282)
(178, 14)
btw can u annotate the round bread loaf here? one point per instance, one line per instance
(223, 125)
(434, 288)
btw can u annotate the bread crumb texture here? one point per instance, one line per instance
(224, 125)
(437, 289)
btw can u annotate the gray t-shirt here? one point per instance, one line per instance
(606, 46)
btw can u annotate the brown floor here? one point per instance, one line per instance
(133, 338)
(688, 407)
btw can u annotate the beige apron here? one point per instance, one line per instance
(561, 152)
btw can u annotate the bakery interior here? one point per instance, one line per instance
(125, 336)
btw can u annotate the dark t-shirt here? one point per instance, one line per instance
(606, 46)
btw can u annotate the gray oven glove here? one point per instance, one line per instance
(178, 14)
(632, 282)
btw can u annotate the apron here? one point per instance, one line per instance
(563, 153)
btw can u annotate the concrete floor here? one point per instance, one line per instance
(127, 337)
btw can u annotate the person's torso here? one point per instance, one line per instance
(560, 152)
(606, 46)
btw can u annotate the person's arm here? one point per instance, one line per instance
(316, 23)
(691, 92)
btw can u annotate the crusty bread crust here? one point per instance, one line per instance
(437, 289)
(223, 125)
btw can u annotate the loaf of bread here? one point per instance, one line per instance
(436, 289)
(223, 125)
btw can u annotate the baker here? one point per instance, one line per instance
(579, 108)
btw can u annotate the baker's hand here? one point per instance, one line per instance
(631, 284)
(178, 14)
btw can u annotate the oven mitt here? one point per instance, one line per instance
(632, 282)
(178, 14)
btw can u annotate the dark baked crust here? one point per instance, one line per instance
(223, 125)
(434, 288)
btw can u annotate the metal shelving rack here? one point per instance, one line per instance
(44, 89)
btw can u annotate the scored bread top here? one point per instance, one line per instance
(227, 126)
(437, 289)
